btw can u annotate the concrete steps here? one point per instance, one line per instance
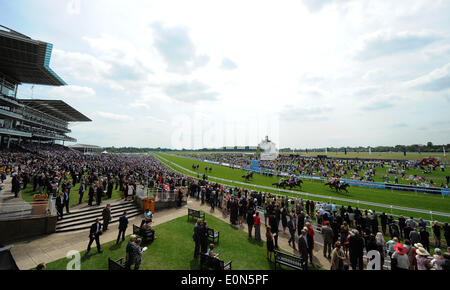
(83, 218)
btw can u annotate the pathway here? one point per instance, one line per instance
(30, 252)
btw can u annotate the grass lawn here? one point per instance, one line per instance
(28, 193)
(399, 198)
(174, 249)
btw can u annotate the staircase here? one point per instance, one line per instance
(83, 218)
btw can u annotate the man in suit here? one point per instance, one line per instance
(303, 246)
(110, 188)
(94, 234)
(274, 227)
(197, 237)
(123, 224)
(106, 216)
(99, 193)
(250, 221)
(66, 199)
(60, 205)
(91, 194)
(356, 248)
(291, 227)
(328, 235)
(81, 190)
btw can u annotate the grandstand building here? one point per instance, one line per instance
(26, 61)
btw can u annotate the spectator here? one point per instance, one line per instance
(414, 236)
(328, 236)
(269, 242)
(425, 238)
(390, 246)
(303, 246)
(250, 221)
(423, 259)
(257, 220)
(41, 267)
(399, 260)
(211, 251)
(123, 224)
(437, 260)
(130, 252)
(106, 214)
(446, 229)
(292, 229)
(337, 257)
(356, 249)
(138, 250)
(437, 234)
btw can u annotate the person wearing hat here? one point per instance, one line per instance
(399, 259)
(423, 259)
(437, 260)
(337, 257)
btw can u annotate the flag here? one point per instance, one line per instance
(326, 150)
(370, 150)
(443, 149)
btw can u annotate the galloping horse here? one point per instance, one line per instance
(338, 186)
(248, 176)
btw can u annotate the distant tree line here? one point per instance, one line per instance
(429, 147)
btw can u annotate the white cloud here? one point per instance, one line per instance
(72, 92)
(436, 80)
(114, 116)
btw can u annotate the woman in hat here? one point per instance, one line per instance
(423, 259)
(337, 257)
(437, 260)
(399, 260)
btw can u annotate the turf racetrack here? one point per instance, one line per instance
(405, 199)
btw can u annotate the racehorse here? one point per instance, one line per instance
(338, 186)
(248, 176)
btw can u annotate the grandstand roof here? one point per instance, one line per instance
(24, 60)
(85, 146)
(56, 108)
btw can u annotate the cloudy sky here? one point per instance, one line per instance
(194, 74)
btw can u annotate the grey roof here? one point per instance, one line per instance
(25, 60)
(56, 108)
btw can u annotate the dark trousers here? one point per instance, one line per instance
(310, 254)
(121, 232)
(59, 210)
(197, 249)
(97, 242)
(275, 238)
(204, 245)
(292, 239)
(250, 229)
(356, 261)
(81, 198)
(66, 203)
(105, 224)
